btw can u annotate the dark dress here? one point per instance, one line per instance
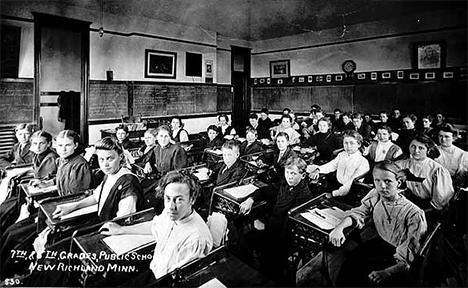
(262, 131)
(168, 158)
(19, 157)
(246, 149)
(147, 157)
(326, 143)
(127, 144)
(73, 175)
(404, 139)
(45, 164)
(267, 123)
(365, 130)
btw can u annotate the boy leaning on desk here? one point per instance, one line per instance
(180, 232)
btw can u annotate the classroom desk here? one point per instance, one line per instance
(307, 154)
(306, 237)
(229, 206)
(222, 265)
(35, 196)
(89, 241)
(48, 206)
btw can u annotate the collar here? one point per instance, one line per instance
(186, 219)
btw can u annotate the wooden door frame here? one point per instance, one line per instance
(246, 54)
(41, 20)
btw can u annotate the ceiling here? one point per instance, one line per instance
(254, 20)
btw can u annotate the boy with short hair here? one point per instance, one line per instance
(19, 152)
(348, 165)
(232, 169)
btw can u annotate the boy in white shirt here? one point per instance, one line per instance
(348, 165)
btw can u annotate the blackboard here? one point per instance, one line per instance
(16, 101)
(301, 98)
(224, 99)
(374, 98)
(153, 99)
(108, 100)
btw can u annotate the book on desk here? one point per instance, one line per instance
(127, 243)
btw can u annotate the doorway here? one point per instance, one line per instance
(61, 73)
(240, 79)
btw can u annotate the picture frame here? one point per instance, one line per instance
(430, 75)
(280, 81)
(255, 81)
(309, 79)
(319, 78)
(208, 68)
(386, 75)
(373, 76)
(329, 78)
(268, 81)
(448, 74)
(262, 80)
(339, 78)
(301, 79)
(429, 55)
(414, 76)
(400, 74)
(280, 69)
(160, 64)
(361, 76)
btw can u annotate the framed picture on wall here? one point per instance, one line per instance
(429, 55)
(160, 64)
(280, 69)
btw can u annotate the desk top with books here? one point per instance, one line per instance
(91, 242)
(227, 198)
(312, 221)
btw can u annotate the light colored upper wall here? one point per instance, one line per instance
(367, 45)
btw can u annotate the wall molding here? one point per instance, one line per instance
(450, 28)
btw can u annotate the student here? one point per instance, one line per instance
(121, 133)
(181, 234)
(454, 159)
(347, 123)
(310, 125)
(147, 159)
(384, 148)
(44, 166)
(336, 120)
(118, 195)
(178, 133)
(361, 127)
(407, 133)
(19, 152)
(395, 122)
(348, 165)
(214, 140)
(399, 224)
(273, 242)
(279, 157)
(168, 156)
(436, 190)
(428, 129)
(120, 192)
(294, 124)
(232, 169)
(44, 158)
(368, 120)
(383, 116)
(440, 120)
(293, 135)
(324, 140)
(264, 120)
(251, 145)
(262, 132)
(73, 174)
(225, 128)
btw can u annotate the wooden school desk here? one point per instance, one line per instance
(307, 238)
(89, 241)
(218, 265)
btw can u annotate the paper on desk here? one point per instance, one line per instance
(241, 191)
(326, 219)
(36, 190)
(202, 174)
(213, 283)
(241, 139)
(217, 151)
(121, 244)
(82, 211)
